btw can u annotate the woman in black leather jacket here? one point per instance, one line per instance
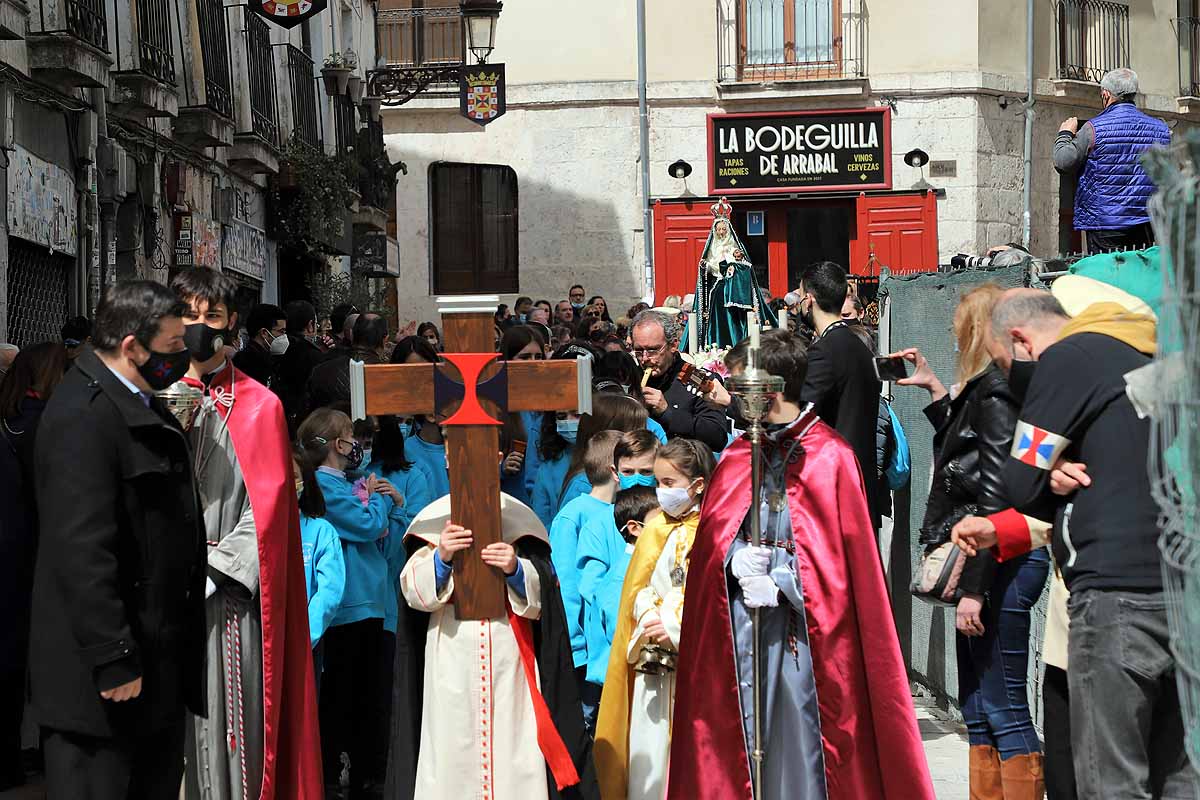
(973, 436)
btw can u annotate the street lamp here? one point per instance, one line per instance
(481, 17)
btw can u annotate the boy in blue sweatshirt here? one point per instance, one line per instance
(606, 544)
(595, 508)
(348, 708)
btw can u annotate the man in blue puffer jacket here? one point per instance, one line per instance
(1110, 202)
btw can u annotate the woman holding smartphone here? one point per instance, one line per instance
(973, 423)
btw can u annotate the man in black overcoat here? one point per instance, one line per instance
(118, 628)
(841, 381)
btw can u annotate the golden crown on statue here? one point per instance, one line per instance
(482, 79)
(721, 209)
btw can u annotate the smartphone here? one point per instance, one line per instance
(891, 369)
(519, 446)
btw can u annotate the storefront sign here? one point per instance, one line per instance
(42, 203)
(801, 151)
(245, 250)
(197, 241)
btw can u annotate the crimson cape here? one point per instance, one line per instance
(291, 739)
(862, 686)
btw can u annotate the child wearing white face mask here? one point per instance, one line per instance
(633, 738)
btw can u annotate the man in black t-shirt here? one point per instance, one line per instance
(1080, 456)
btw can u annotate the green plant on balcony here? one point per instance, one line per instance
(310, 197)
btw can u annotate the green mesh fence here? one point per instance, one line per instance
(1175, 454)
(918, 311)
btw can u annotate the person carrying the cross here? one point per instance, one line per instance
(499, 713)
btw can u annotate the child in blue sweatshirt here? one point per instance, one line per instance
(605, 546)
(593, 508)
(324, 567)
(348, 705)
(426, 446)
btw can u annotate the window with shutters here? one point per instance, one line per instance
(769, 40)
(473, 221)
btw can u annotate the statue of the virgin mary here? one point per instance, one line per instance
(726, 289)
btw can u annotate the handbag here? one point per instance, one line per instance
(937, 575)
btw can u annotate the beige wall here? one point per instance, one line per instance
(909, 36)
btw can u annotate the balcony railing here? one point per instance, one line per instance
(304, 98)
(260, 64)
(85, 20)
(1093, 38)
(414, 38)
(214, 50)
(154, 40)
(1189, 57)
(345, 122)
(791, 40)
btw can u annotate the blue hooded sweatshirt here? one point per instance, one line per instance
(324, 573)
(602, 557)
(360, 528)
(413, 485)
(564, 541)
(432, 457)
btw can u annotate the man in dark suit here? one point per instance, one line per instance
(118, 602)
(841, 381)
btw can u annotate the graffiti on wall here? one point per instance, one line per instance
(245, 250)
(41, 202)
(197, 241)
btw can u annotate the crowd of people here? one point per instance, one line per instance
(218, 582)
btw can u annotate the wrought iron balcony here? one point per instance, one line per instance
(423, 48)
(1092, 38)
(301, 80)
(762, 41)
(260, 70)
(86, 20)
(214, 50)
(155, 55)
(1189, 57)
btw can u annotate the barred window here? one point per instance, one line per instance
(473, 220)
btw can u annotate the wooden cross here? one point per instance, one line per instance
(455, 389)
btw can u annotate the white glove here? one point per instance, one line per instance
(750, 561)
(210, 588)
(759, 591)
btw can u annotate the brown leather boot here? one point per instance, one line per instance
(985, 773)
(1023, 777)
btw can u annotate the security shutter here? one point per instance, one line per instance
(38, 293)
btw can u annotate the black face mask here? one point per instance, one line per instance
(163, 369)
(1020, 375)
(354, 458)
(204, 342)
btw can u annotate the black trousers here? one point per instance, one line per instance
(1135, 237)
(1056, 727)
(349, 704)
(144, 767)
(383, 699)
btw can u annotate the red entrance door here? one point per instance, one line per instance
(899, 229)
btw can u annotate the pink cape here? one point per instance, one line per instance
(872, 747)
(291, 738)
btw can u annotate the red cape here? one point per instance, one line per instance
(862, 686)
(291, 738)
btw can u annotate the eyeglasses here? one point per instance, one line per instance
(643, 352)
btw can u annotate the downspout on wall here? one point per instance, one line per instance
(644, 156)
(1027, 194)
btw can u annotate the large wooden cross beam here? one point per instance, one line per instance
(472, 392)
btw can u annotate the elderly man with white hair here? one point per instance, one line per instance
(1110, 203)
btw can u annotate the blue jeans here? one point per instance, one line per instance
(992, 668)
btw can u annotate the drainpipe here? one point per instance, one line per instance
(644, 136)
(1026, 217)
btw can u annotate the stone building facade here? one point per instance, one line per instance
(143, 136)
(952, 75)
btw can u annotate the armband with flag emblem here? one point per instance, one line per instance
(1036, 446)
